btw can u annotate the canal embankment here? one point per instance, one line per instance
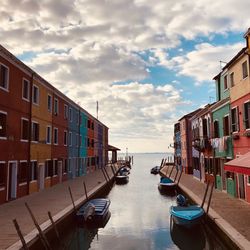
(229, 216)
(56, 199)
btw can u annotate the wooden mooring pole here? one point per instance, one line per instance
(104, 175)
(210, 197)
(205, 195)
(25, 247)
(85, 190)
(180, 177)
(41, 233)
(71, 196)
(56, 230)
(171, 171)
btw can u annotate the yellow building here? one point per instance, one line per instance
(41, 135)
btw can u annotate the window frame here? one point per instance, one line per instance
(24, 119)
(49, 106)
(38, 94)
(244, 116)
(8, 77)
(28, 89)
(225, 82)
(32, 127)
(48, 128)
(231, 79)
(236, 124)
(6, 114)
(65, 137)
(244, 69)
(56, 106)
(66, 111)
(55, 129)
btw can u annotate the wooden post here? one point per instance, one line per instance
(171, 171)
(42, 235)
(210, 197)
(25, 247)
(161, 162)
(112, 169)
(176, 175)
(205, 195)
(104, 175)
(180, 177)
(56, 231)
(71, 196)
(85, 190)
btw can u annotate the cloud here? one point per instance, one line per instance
(202, 64)
(86, 47)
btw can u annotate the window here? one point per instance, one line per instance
(248, 179)
(23, 172)
(204, 127)
(88, 143)
(35, 131)
(225, 82)
(49, 103)
(70, 138)
(55, 167)
(48, 135)
(92, 125)
(26, 90)
(247, 115)
(56, 136)
(232, 79)
(2, 174)
(234, 117)
(48, 168)
(80, 140)
(35, 94)
(70, 114)
(65, 112)
(216, 129)
(92, 143)
(4, 77)
(56, 110)
(88, 123)
(65, 138)
(25, 129)
(33, 171)
(226, 125)
(3, 124)
(244, 70)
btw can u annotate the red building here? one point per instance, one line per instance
(15, 82)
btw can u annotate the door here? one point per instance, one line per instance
(60, 170)
(41, 176)
(12, 180)
(223, 174)
(241, 186)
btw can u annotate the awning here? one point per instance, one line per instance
(239, 165)
(112, 148)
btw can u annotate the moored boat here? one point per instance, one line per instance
(94, 212)
(187, 216)
(166, 184)
(121, 178)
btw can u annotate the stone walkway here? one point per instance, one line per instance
(230, 214)
(53, 199)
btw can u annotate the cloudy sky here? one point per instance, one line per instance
(146, 62)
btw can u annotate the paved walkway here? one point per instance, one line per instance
(230, 214)
(53, 199)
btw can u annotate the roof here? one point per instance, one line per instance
(190, 114)
(241, 52)
(239, 165)
(112, 148)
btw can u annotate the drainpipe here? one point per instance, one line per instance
(79, 140)
(30, 132)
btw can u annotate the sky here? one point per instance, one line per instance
(147, 63)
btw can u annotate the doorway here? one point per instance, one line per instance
(12, 181)
(241, 186)
(60, 170)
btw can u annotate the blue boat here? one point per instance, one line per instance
(166, 184)
(187, 216)
(121, 178)
(94, 212)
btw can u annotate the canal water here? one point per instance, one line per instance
(140, 218)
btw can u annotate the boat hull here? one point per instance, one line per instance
(187, 216)
(121, 179)
(98, 217)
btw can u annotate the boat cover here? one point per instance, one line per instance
(188, 213)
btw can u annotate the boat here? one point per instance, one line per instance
(124, 170)
(121, 178)
(95, 212)
(166, 184)
(186, 215)
(155, 170)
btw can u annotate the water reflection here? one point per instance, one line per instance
(140, 217)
